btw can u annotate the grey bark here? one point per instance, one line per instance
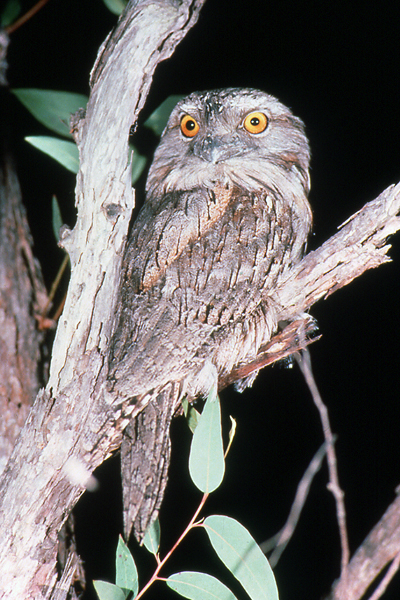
(379, 549)
(359, 245)
(74, 423)
(22, 296)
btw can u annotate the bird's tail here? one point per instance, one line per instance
(145, 458)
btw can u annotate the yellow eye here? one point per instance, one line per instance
(256, 122)
(189, 126)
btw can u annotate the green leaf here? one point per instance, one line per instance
(115, 6)
(151, 540)
(126, 572)
(10, 13)
(108, 591)
(64, 152)
(158, 119)
(199, 586)
(138, 164)
(243, 557)
(52, 109)
(192, 415)
(57, 221)
(206, 460)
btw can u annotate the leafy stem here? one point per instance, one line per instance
(161, 563)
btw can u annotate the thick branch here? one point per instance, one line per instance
(72, 423)
(379, 548)
(359, 245)
(72, 428)
(22, 294)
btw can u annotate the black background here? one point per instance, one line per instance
(337, 66)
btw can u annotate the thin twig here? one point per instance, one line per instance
(161, 563)
(43, 321)
(295, 336)
(304, 362)
(25, 17)
(281, 539)
(55, 284)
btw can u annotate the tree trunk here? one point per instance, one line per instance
(22, 296)
(73, 426)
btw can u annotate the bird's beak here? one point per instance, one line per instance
(214, 149)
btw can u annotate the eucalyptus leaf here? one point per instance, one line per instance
(108, 591)
(56, 218)
(10, 13)
(199, 586)
(138, 164)
(115, 6)
(206, 459)
(241, 554)
(66, 153)
(126, 572)
(193, 418)
(158, 119)
(192, 415)
(53, 109)
(151, 540)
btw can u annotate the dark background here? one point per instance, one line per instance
(337, 66)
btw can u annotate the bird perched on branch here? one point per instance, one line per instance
(225, 215)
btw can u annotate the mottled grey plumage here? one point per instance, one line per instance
(226, 213)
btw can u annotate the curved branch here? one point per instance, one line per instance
(359, 245)
(72, 427)
(380, 547)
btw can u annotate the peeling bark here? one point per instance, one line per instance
(73, 422)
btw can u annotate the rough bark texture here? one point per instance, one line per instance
(22, 295)
(359, 245)
(378, 549)
(74, 425)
